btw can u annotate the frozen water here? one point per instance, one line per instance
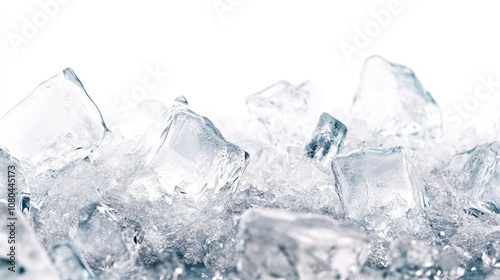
(280, 245)
(412, 259)
(327, 139)
(56, 124)
(392, 101)
(379, 182)
(69, 264)
(189, 153)
(31, 260)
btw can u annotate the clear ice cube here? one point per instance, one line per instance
(190, 154)
(392, 101)
(69, 264)
(56, 124)
(276, 244)
(480, 188)
(30, 260)
(376, 186)
(327, 139)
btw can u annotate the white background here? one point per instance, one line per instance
(218, 57)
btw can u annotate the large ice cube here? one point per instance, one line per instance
(392, 101)
(188, 152)
(379, 184)
(56, 124)
(327, 138)
(275, 244)
(20, 245)
(480, 188)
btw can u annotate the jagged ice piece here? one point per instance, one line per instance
(327, 139)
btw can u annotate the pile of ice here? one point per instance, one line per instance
(293, 191)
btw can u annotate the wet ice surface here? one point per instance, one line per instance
(292, 190)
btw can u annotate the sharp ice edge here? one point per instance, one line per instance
(384, 201)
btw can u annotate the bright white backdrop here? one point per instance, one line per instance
(216, 52)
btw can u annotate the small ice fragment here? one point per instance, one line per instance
(412, 259)
(379, 182)
(29, 258)
(327, 139)
(392, 101)
(105, 239)
(69, 264)
(480, 188)
(276, 244)
(56, 124)
(491, 252)
(188, 152)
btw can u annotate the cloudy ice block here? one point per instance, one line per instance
(31, 259)
(69, 264)
(327, 139)
(392, 101)
(384, 181)
(104, 239)
(189, 153)
(480, 188)
(56, 124)
(276, 244)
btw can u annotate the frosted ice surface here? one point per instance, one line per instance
(56, 124)
(327, 139)
(481, 179)
(378, 183)
(69, 264)
(189, 153)
(31, 259)
(275, 244)
(392, 101)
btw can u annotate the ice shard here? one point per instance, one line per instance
(276, 244)
(21, 255)
(190, 154)
(327, 139)
(392, 101)
(55, 125)
(412, 259)
(69, 264)
(480, 188)
(376, 186)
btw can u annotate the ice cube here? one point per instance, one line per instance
(56, 124)
(189, 153)
(327, 139)
(69, 264)
(392, 101)
(104, 239)
(491, 252)
(275, 244)
(376, 186)
(480, 188)
(412, 259)
(20, 245)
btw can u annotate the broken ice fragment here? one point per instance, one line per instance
(327, 138)
(69, 264)
(491, 252)
(378, 182)
(480, 189)
(392, 101)
(105, 239)
(412, 259)
(275, 244)
(188, 152)
(56, 124)
(29, 258)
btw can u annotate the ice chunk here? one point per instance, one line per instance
(480, 189)
(412, 259)
(29, 258)
(327, 138)
(275, 244)
(56, 124)
(378, 184)
(189, 153)
(69, 263)
(104, 239)
(491, 252)
(392, 101)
